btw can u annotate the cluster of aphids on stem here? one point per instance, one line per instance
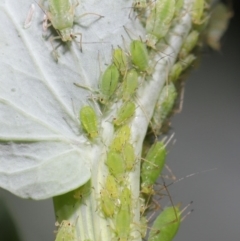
(119, 83)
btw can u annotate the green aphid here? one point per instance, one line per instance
(152, 166)
(180, 66)
(160, 18)
(109, 83)
(186, 62)
(139, 55)
(166, 225)
(128, 156)
(124, 216)
(175, 72)
(123, 222)
(125, 112)
(189, 43)
(89, 122)
(112, 187)
(163, 106)
(120, 60)
(61, 15)
(197, 12)
(106, 203)
(122, 136)
(83, 191)
(66, 231)
(115, 164)
(129, 85)
(126, 197)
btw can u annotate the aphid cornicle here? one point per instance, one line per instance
(166, 225)
(152, 166)
(88, 120)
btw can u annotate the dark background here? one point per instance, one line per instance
(208, 136)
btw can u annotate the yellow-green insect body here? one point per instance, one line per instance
(163, 106)
(109, 83)
(106, 203)
(152, 166)
(122, 136)
(83, 191)
(130, 84)
(88, 120)
(115, 164)
(120, 60)
(166, 225)
(61, 14)
(139, 56)
(160, 18)
(189, 43)
(66, 231)
(125, 112)
(197, 12)
(128, 156)
(112, 187)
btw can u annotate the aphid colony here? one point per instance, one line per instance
(118, 84)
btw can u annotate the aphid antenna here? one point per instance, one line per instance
(85, 14)
(191, 175)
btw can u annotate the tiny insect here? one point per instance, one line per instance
(130, 84)
(66, 231)
(128, 156)
(88, 120)
(218, 24)
(112, 187)
(109, 83)
(83, 191)
(166, 225)
(120, 60)
(197, 12)
(122, 136)
(106, 203)
(152, 166)
(189, 43)
(29, 17)
(115, 164)
(123, 218)
(125, 112)
(160, 18)
(61, 14)
(163, 106)
(123, 222)
(126, 197)
(139, 56)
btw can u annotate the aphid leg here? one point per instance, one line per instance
(30, 15)
(80, 34)
(55, 53)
